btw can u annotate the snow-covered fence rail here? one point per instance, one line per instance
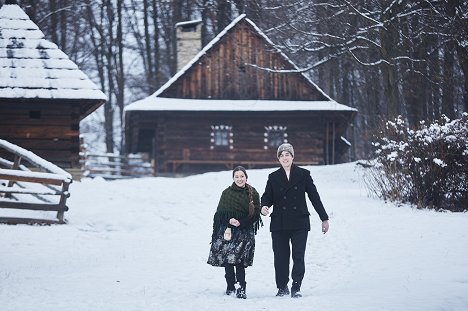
(28, 182)
(113, 166)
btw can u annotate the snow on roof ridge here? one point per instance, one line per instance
(9, 10)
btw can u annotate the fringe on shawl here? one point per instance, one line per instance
(222, 218)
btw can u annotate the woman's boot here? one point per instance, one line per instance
(241, 291)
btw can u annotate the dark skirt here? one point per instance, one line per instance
(239, 250)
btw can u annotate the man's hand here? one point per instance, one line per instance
(325, 226)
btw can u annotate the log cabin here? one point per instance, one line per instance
(43, 94)
(234, 103)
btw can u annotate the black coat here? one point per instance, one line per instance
(288, 199)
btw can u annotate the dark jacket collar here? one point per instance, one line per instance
(294, 176)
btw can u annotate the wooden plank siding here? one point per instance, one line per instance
(184, 137)
(49, 129)
(224, 72)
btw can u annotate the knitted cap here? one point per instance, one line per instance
(285, 147)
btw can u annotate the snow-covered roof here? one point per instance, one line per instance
(32, 67)
(177, 104)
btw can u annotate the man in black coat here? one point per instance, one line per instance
(285, 191)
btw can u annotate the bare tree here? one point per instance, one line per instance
(400, 54)
(384, 57)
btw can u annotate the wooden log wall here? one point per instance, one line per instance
(248, 134)
(186, 135)
(51, 130)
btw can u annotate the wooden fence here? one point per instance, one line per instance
(113, 166)
(28, 182)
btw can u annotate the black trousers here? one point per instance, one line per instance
(282, 253)
(232, 277)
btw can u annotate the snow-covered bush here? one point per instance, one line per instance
(426, 166)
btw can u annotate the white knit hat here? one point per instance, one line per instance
(285, 147)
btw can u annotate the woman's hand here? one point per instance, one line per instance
(265, 210)
(234, 222)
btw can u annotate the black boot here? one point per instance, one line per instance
(296, 290)
(241, 292)
(230, 290)
(283, 291)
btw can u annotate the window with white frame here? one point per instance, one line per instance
(274, 136)
(221, 136)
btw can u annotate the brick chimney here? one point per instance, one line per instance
(189, 43)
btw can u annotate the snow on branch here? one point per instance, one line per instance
(362, 14)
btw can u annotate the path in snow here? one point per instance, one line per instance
(142, 245)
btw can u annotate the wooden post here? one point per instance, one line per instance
(333, 143)
(63, 201)
(83, 154)
(154, 156)
(15, 166)
(326, 142)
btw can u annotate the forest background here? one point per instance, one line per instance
(384, 57)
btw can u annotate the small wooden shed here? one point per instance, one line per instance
(233, 105)
(43, 94)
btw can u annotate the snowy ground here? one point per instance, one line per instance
(142, 244)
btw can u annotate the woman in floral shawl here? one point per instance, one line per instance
(238, 211)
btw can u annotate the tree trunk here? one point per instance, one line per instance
(95, 34)
(156, 49)
(434, 67)
(63, 25)
(108, 55)
(389, 75)
(172, 46)
(461, 35)
(54, 23)
(462, 52)
(448, 88)
(120, 73)
(413, 94)
(148, 44)
(223, 15)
